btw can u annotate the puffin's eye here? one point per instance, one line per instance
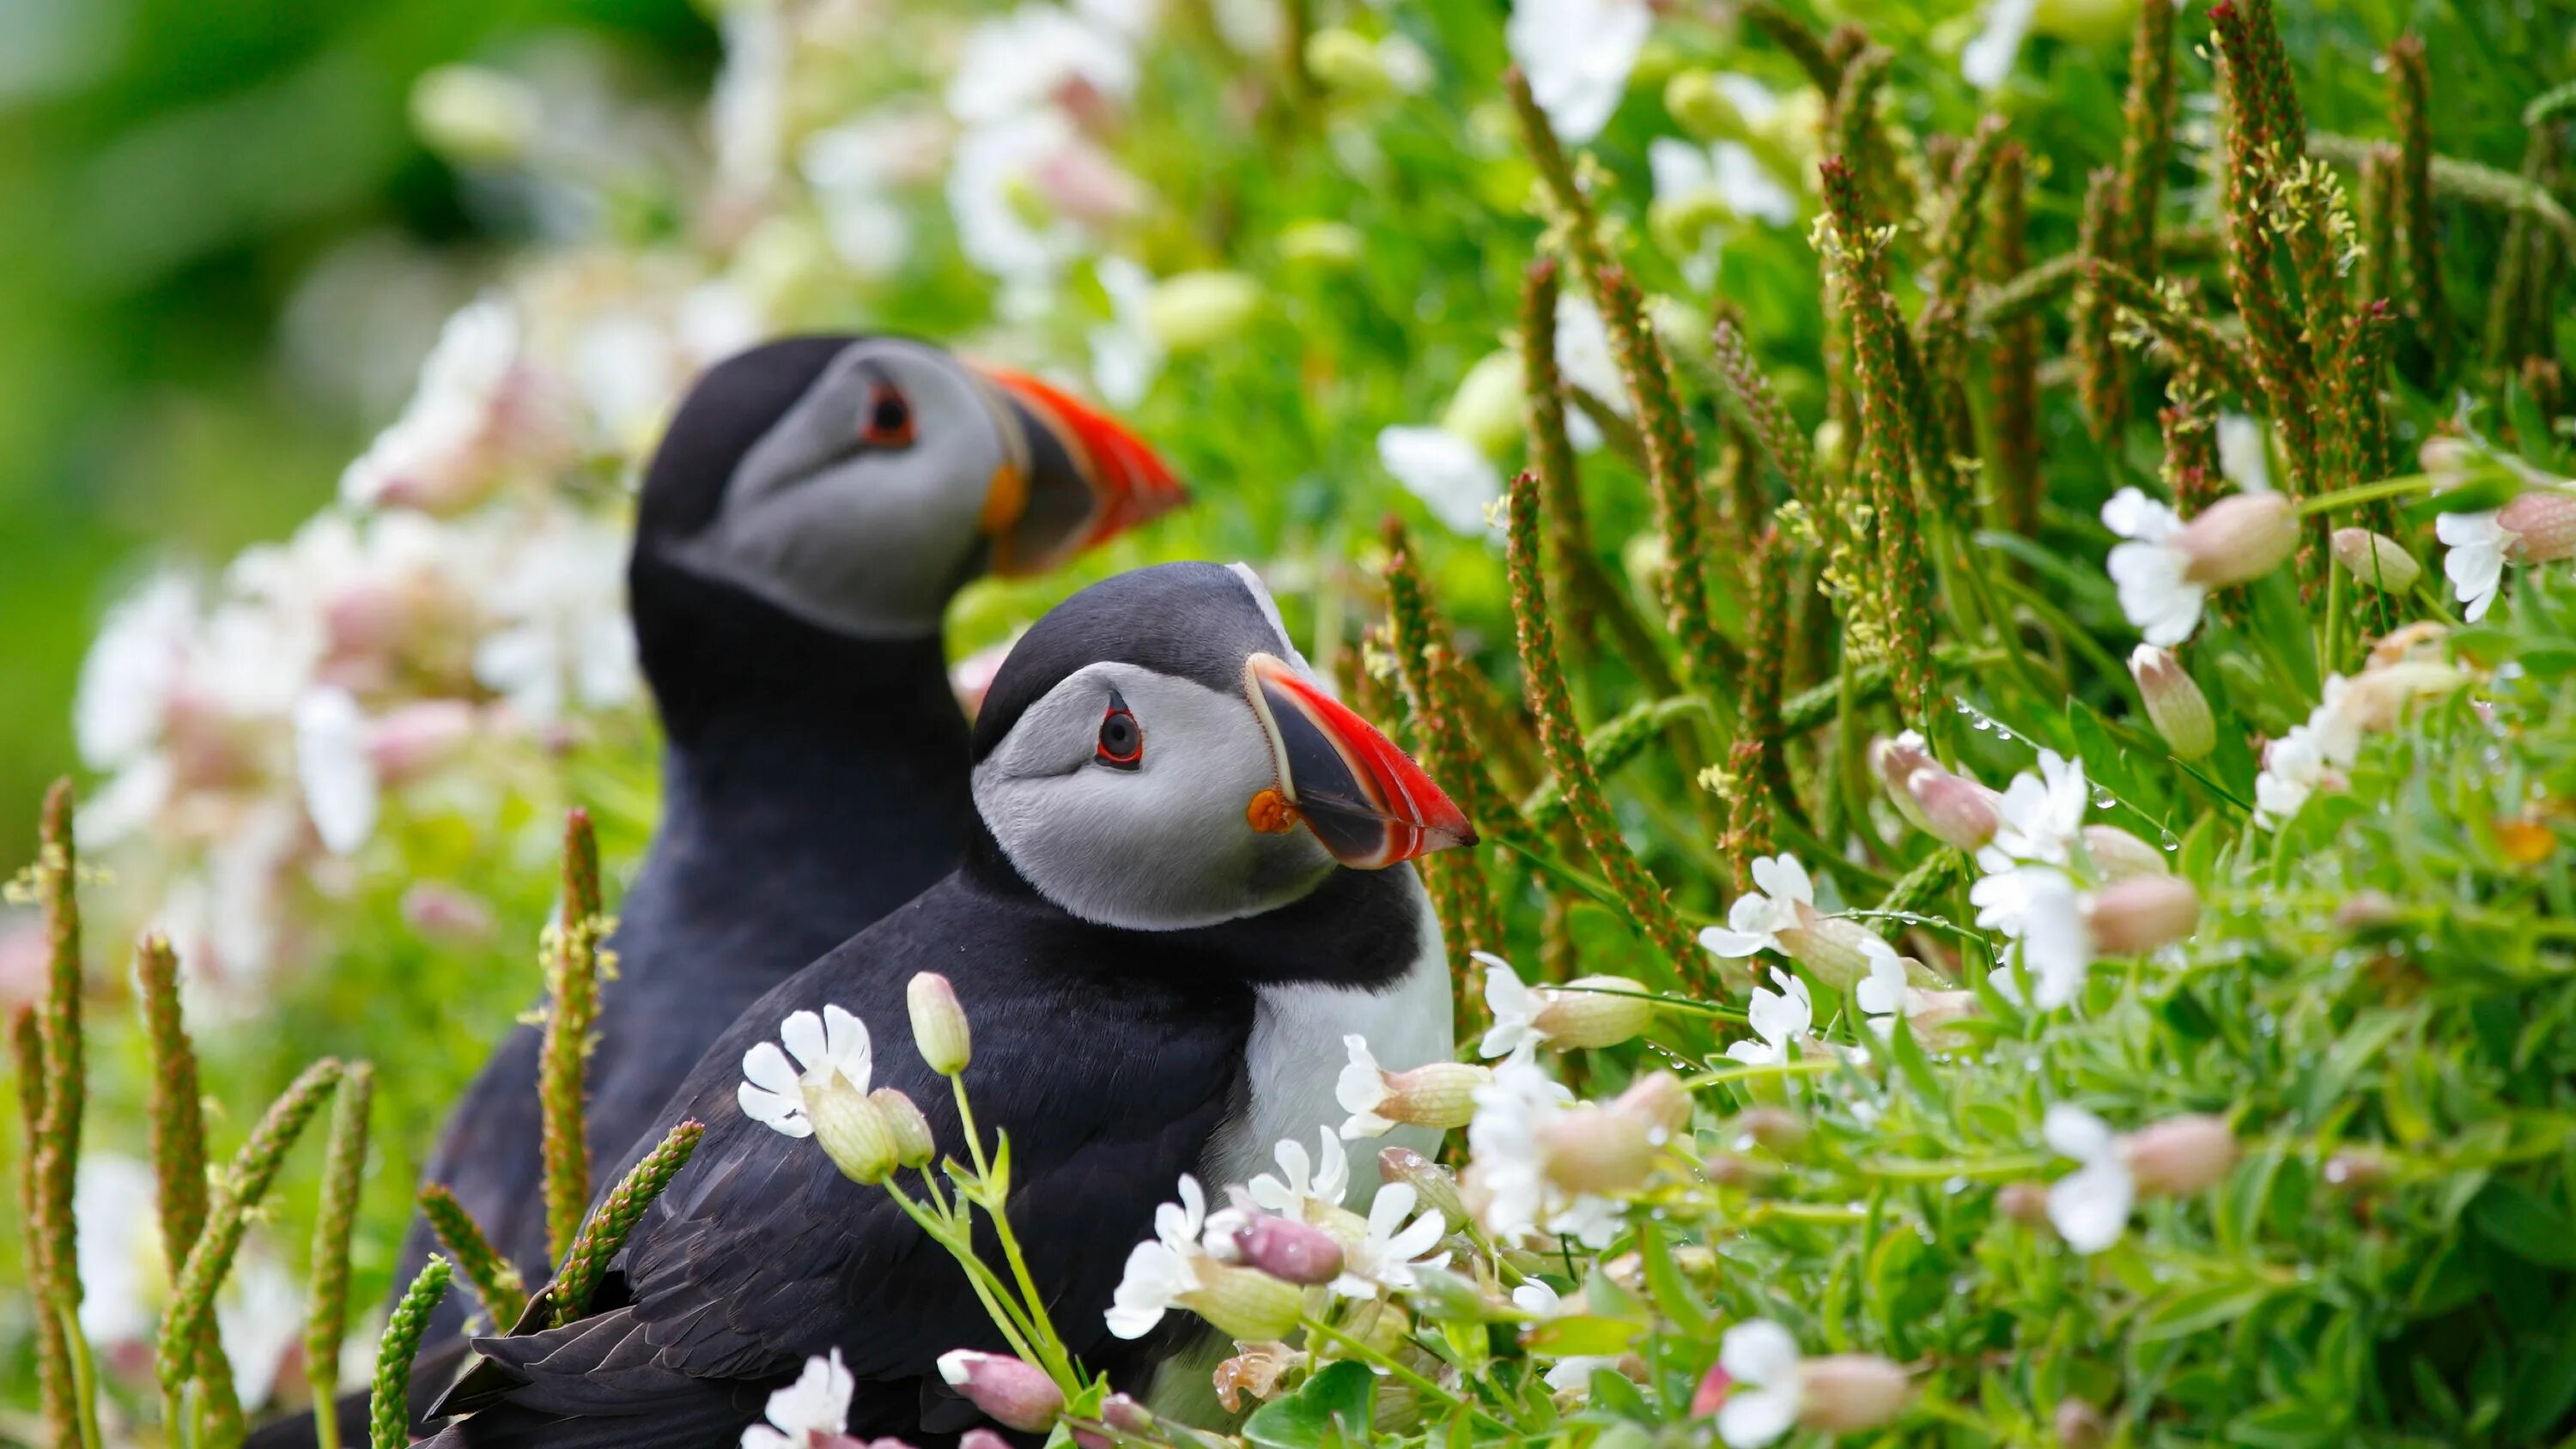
(1122, 740)
(888, 423)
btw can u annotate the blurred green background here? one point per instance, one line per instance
(199, 319)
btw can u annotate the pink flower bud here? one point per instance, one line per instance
(368, 617)
(2365, 910)
(1845, 1393)
(1782, 1131)
(1436, 1094)
(1711, 1394)
(2544, 521)
(2024, 1202)
(1589, 1150)
(2181, 1155)
(2356, 1168)
(1290, 1251)
(2179, 711)
(2142, 913)
(2079, 1425)
(983, 1439)
(446, 913)
(1957, 809)
(1013, 1393)
(2376, 561)
(2240, 537)
(412, 739)
(1897, 762)
(1659, 1100)
(2119, 855)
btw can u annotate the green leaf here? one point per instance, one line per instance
(1672, 1290)
(2195, 1310)
(1583, 1335)
(2515, 1219)
(1333, 1407)
(1916, 1067)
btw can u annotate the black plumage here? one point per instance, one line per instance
(1110, 1057)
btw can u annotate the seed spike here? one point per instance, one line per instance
(178, 1135)
(388, 1403)
(572, 958)
(2105, 389)
(2419, 269)
(2146, 143)
(2015, 359)
(344, 1163)
(53, 1351)
(619, 1212)
(496, 1283)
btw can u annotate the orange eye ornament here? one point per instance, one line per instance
(1122, 740)
(888, 423)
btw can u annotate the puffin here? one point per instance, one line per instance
(814, 504)
(1187, 883)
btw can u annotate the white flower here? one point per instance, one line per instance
(126, 680)
(331, 763)
(1763, 1360)
(1307, 1189)
(562, 636)
(1577, 55)
(1503, 1143)
(816, 1406)
(1727, 169)
(1125, 353)
(475, 409)
(1447, 472)
(1776, 1018)
(2475, 563)
(1003, 225)
(1033, 58)
(830, 1047)
(1754, 923)
(1883, 992)
(748, 111)
(2150, 569)
(1361, 1090)
(1584, 360)
(2057, 948)
(1513, 1006)
(1988, 56)
(852, 169)
(1392, 1248)
(1571, 1374)
(2241, 457)
(2312, 756)
(1159, 1270)
(2089, 1206)
(2039, 817)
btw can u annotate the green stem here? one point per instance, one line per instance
(1386, 1363)
(84, 1378)
(988, 1286)
(1761, 1072)
(2370, 493)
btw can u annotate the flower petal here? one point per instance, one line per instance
(765, 1066)
(803, 1033)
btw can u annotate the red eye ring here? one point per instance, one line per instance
(888, 422)
(1121, 744)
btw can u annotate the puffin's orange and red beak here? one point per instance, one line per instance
(1121, 481)
(1366, 800)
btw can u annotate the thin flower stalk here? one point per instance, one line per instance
(2014, 361)
(327, 1319)
(1571, 218)
(2195, 342)
(2357, 414)
(2100, 376)
(1551, 450)
(1758, 762)
(1918, 888)
(1441, 738)
(1791, 34)
(1857, 257)
(2510, 323)
(1611, 746)
(1417, 636)
(1853, 132)
(2282, 117)
(1562, 739)
(495, 1281)
(53, 1352)
(2146, 142)
(1672, 475)
(1768, 419)
(237, 1195)
(54, 1152)
(2376, 276)
(388, 1402)
(572, 960)
(2252, 269)
(1953, 242)
(2419, 263)
(2191, 471)
(600, 1238)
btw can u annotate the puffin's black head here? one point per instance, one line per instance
(857, 482)
(1149, 752)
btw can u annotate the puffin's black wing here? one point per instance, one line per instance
(1110, 1072)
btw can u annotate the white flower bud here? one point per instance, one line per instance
(2376, 561)
(2143, 913)
(1244, 1303)
(1486, 408)
(1659, 1100)
(1845, 1393)
(2240, 537)
(472, 114)
(1195, 311)
(1595, 1011)
(2448, 459)
(906, 1127)
(1012, 1392)
(939, 1028)
(2378, 698)
(1956, 809)
(2180, 1155)
(1331, 244)
(1432, 1184)
(1830, 946)
(2079, 1425)
(2179, 711)
(853, 1132)
(2119, 855)
(1438, 1094)
(1898, 762)
(1587, 1149)
(1777, 1128)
